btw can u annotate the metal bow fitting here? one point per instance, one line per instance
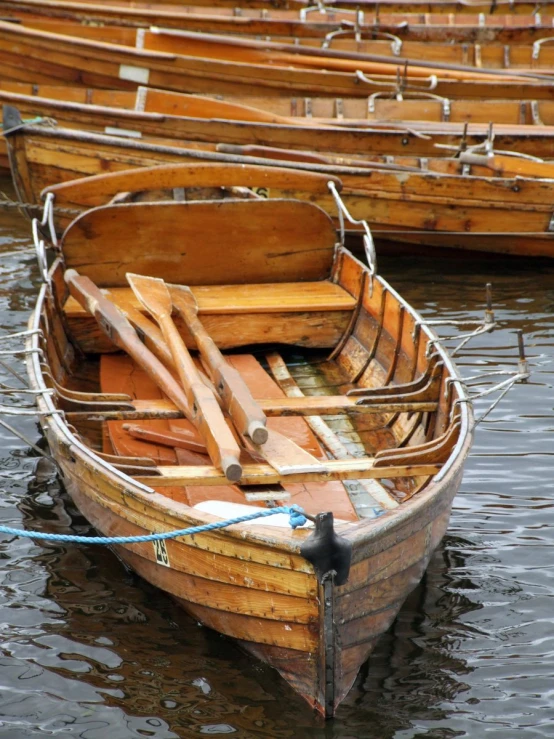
(484, 326)
(40, 247)
(343, 212)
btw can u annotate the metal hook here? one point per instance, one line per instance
(343, 212)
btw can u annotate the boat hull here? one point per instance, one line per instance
(424, 208)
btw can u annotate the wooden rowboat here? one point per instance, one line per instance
(188, 120)
(536, 55)
(469, 28)
(233, 65)
(136, 459)
(464, 61)
(408, 6)
(335, 125)
(451, 203)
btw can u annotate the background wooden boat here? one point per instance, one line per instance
(463, 6)
(507, 29)
(534, 55)
(212, 122)
(519, 125)
(121, 67)
(510, 214)
(252, 582)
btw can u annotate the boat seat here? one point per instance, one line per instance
(288, 297)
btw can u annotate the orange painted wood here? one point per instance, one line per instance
(119, 374)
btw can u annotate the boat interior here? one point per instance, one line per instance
(346, 374)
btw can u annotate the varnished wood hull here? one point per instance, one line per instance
(283, 123)
(424, 208)
(507, 29)
(251, 583)
(491, 55)
(193, 130)
(23, 51)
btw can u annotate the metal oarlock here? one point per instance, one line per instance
(355, 30)
(343, 213)
(401, 84)
(521, 375)
(321, 6)
(486, 147)
(484, 326)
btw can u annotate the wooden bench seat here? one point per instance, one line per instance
(288, 297)
(312, 314)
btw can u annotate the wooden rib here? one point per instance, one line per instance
(307, 406)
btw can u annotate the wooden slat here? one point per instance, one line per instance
(191, 175)
(231, 299)
(258, 474)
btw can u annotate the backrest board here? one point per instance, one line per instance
(203, 242)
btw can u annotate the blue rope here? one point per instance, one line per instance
(296, 518)
(36, 119)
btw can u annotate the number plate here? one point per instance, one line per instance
(160, 550)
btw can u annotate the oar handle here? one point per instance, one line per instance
(233, 391)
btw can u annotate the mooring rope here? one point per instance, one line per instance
(296, 519)
(6, 203)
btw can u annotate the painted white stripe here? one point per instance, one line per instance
(112, 131)
(134, 74)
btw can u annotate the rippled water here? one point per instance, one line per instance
(89, 650)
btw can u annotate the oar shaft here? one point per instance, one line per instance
(235, 394)
(119, 330)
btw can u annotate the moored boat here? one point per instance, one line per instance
(138, 457)
(225, 64)
(472, 204)
(312, 22)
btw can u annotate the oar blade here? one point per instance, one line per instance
(152, 293)
(285, 456)
(183, 298)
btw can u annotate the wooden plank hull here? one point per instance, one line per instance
(198, 132)
(182, 118)
(491, 55)
(423, 26)
(425, 208)
(253, 583)
(230, 68)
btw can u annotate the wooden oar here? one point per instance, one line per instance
(206, 413)
(283, 454)
(510, 166)
(246, 414)
(123, 335)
